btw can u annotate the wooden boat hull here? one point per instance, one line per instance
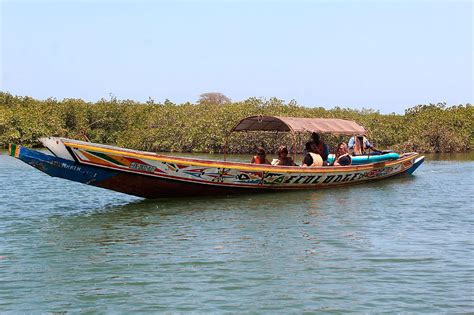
(150, 175)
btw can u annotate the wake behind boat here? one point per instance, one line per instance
(151, 175)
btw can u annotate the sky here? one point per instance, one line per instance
(383, 55)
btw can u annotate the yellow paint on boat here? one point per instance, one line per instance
(96, 160)
(232, 165)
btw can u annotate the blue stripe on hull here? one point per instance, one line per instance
(128, 183)
(59, 167)
(415, 165)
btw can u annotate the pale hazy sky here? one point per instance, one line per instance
(385, 55)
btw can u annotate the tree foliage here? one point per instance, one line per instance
(205, 127)
(213, 98)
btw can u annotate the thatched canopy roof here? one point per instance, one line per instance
(293, 124)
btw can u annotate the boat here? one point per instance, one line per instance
(152, 175)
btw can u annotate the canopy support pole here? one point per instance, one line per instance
(354, 136)
(369, 148)
(225, 147)
(275, 139)
(294, 145)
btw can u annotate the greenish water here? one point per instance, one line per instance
(400, 245)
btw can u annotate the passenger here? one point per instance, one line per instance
(283, 158)
(313, 157)
(359, 145)
(261, 157)
(342, 157)
(322, 147)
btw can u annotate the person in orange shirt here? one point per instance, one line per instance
(323, 148)
(261, 157)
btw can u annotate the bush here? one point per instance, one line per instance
(204, 127)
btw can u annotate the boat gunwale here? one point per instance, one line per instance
(261, 186)
(236, 165)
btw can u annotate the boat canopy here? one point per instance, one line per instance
(293, 124)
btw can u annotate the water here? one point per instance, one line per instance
(399, 245)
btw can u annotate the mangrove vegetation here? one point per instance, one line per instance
(205, 126)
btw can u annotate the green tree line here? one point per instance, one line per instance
(204, 127)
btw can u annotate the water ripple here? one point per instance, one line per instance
(402, 245)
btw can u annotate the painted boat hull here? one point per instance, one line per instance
(150, 175)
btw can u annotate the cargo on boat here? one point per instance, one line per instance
(152, 175)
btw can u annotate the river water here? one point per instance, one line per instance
(398, 245)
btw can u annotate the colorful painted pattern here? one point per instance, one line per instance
(233, 174)
(14, 150)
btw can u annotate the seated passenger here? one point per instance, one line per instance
(322, 147)
(360, 145)
(261, 157)
(283, 158)
(342, 157)
(313, 157)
